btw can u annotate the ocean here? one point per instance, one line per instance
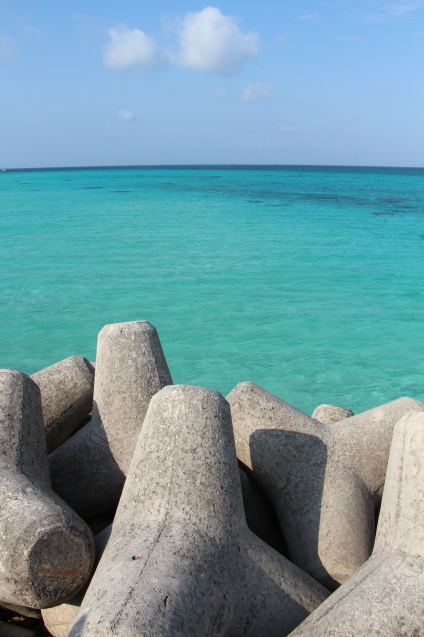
(305, 280)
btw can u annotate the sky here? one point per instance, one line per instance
(98, 83)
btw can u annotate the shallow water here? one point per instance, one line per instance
(307, 281)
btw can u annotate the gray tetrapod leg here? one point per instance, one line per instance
(323, 480)
(59, 619)
(46, 550)
(385, 596)
(89, 470)
(66, 396)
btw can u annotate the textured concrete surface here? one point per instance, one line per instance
(323, 480)
(66, 396)
(181, 560)
(46, 550)
(331, 413)
(385, 597)
(60, 619)
(260, 515)
(89, 470)
(261, 520)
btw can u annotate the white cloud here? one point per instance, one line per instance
(221, 94)
(87, 27)
(256, 91)
(310, 16)
(385, 84)
(399, 9)
(385, 11)
(8, 47)
(33, 30)
(287, 128)
(126, 115)
(131, 48)
(213, 42)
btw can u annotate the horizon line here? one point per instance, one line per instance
(208, 166)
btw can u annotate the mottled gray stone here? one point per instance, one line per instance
(46, 550)
(385, 596)
(89, 470)
(66, 396)
(60, 619)
(260, 515)
(331, 413)
(323, 480)
(181, 560)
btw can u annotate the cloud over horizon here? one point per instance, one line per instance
(30, 29)
(126, 115)
(213, 42)
(221, 94)
(131, 48)
(384, 11)
(208, 41)
(8, 47)
(401, 8)
(256, 91)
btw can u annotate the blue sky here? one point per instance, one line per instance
(112, 83)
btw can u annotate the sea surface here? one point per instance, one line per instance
(308, 281)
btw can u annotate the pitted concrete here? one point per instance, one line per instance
(323, 480)
(66, 397)
(46, 550)
(60, 619)
(181, 560)
(385, 596)
(261, 520)
(89, 470)
(331, 413)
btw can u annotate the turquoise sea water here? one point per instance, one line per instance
(307, 281)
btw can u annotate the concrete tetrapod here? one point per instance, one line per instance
(66, 396)
(89, 470)
(180, 560)
(323, 480)
(60, 619)
(385, 597)
(46, 550)
(260, 518)
(331, 413)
